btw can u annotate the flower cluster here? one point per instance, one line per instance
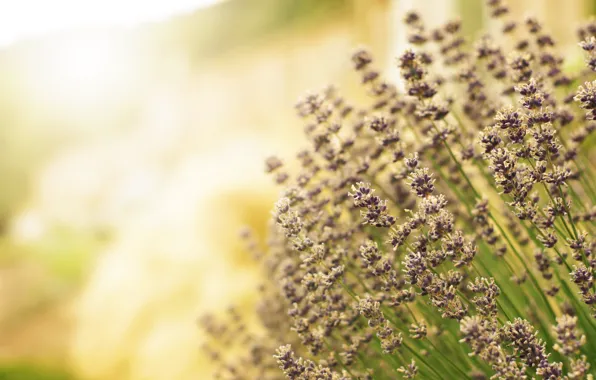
(434, 236)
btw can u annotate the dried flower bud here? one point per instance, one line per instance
(421, 182)
(361, 59)
(568, 338)
(418, 330)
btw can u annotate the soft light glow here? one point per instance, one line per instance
(75, 74)
(89, 68)
(28, 227)
(29, 18)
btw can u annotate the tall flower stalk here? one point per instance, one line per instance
(440, 231)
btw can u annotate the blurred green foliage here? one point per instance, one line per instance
(470, 10)
(240, 23)
(24, 371)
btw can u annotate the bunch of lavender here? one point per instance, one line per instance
(443, 230)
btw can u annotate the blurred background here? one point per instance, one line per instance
(132, 136)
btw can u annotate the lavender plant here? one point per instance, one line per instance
(443, 230)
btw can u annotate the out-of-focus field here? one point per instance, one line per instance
(131, 157)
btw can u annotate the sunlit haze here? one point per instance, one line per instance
(27, 18)
(84, 69)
